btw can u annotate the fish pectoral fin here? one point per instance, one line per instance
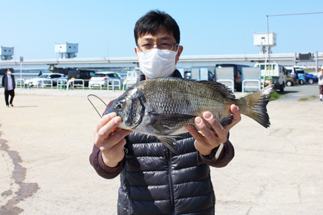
(168, 142)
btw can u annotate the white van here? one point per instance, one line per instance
(272, 74)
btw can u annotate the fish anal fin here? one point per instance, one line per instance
(168, 142)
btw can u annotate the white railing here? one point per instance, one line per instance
(43, 84)
(72, 83)
(61, 83)
(95, 84)
(256, 86)
(227, 82)
(128, 83)
(113, 85)
(21, 82)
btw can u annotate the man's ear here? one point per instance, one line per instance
(136, 51)
(179, 52)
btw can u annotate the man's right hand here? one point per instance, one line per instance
(110, 139)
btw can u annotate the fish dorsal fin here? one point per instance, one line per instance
(224, 90)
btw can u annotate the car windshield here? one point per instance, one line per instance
(42, 76)
(113, 75)
(99, 75)
(299, 70)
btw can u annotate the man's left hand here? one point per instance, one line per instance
(206, 139)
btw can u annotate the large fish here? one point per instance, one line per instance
(162, 107)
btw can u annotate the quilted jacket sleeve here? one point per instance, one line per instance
(99, 166)
(224, 158)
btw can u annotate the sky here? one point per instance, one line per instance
(104, 28)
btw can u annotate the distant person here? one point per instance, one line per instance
(40, 73)
(8, 82)
(320, 76)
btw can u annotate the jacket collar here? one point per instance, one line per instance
(176, 74)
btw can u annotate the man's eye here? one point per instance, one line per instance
(146, 45)
(165, 45)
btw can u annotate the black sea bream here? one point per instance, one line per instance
(162, 107)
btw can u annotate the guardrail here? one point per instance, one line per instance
(113, 85)
(72, 83)
(43, 84)
(95, 84)
(227, 82)
(128, 83)
(21, 82)
(61, 83)
(258, 86)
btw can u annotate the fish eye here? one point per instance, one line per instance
(118, 106)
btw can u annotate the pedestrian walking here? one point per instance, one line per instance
(320, 76)
(8, 82)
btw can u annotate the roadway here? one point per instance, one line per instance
(45, 141)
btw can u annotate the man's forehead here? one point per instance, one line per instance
(159, 37)
(161, 33)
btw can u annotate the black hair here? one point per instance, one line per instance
(152, 21)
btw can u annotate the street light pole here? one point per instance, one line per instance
(290, 14)
(268, 51)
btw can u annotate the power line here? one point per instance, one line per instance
(291, 14)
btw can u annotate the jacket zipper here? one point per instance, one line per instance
(171, 188)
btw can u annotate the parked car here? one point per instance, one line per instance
(300, 73)
(310, 78)
(288, 77)
(301, 76)
(103, 78)
(45, 79)
(272, 73)
(237, 70)
(84, 75)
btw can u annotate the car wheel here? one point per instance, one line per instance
(311, 81)
(289, 83)
(301, 82)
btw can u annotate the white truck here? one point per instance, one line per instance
(272, 73)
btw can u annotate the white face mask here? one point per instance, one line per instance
(8, 73)
(157, 63)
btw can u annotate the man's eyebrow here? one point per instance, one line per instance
(165, 37)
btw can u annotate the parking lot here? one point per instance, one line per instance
(46, 139)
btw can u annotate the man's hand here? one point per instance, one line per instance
(110, 139)
(206, 140)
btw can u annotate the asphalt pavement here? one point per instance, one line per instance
(47, 137)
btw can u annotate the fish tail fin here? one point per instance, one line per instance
(255, 106)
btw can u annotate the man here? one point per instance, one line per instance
(320, 76)
(8, 82)
(153, 179)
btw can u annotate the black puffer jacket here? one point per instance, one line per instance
(155, 181)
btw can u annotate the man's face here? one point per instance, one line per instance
(161, 35)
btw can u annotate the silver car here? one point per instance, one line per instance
(45, 80)
(103, 78)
